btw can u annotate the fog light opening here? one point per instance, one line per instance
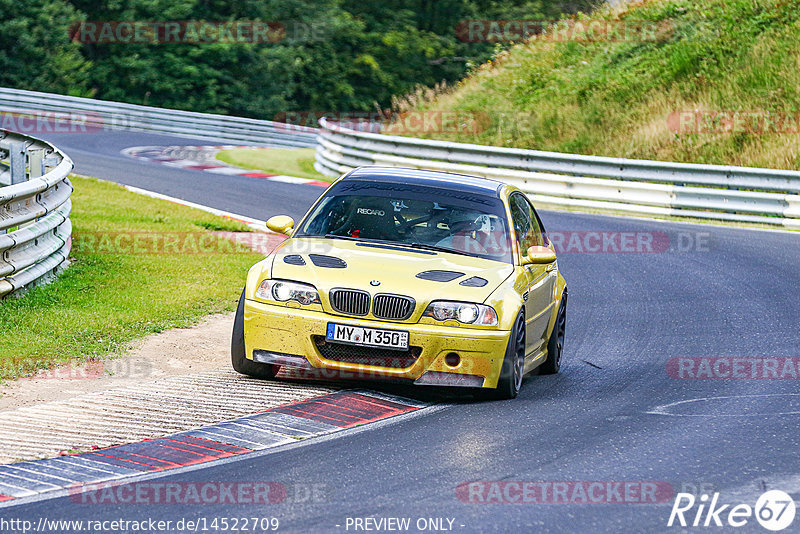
(452, 360)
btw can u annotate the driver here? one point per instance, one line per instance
(464, 226)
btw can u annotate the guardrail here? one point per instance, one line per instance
(643, 187)
(35, 205)
(102, 114)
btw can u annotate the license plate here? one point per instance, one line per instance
(370, 337)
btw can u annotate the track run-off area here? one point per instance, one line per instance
(680, 374)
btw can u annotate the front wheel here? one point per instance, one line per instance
(240, 362)
(510, 381)
(555, 346)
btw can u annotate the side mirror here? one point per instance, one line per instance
(539, 255)
(281, 224)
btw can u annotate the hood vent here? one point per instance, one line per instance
(440, 276)
(329, 262)
(475, 281)
(294, 259)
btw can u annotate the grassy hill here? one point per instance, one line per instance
(716, 81)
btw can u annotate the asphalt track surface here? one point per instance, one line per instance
(735, 295)
(98, 154)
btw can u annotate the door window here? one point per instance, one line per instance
(526, 223)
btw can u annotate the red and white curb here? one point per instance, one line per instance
(317, 416)
(203, 158)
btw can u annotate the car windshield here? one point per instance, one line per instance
(406, 214)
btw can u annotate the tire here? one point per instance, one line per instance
(555, 345)
(240, 363)
(510, 381)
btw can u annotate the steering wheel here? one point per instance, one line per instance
(405, 226)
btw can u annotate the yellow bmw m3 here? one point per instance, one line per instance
(418, 276)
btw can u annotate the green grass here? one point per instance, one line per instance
(289, 161)
(615, 98)
(106, 299)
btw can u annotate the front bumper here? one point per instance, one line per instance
(289, 331)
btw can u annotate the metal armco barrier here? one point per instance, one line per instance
(643, 187)
(75, 114)
(34, 212)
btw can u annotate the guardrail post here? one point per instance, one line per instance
(49, 162)
(36, 163)
(16, 157)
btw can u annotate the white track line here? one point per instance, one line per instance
(256, 224)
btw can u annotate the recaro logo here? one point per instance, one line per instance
(367, 211)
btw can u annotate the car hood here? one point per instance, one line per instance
(332, 263)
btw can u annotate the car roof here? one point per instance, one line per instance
(451, 181)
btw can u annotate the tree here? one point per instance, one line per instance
(36, 51)
(335, 55)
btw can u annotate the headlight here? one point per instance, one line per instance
(462, 312)
(284, 291)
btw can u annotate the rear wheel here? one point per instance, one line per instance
(555, 346)
(510, 381)
(240, 362)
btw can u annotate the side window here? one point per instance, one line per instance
(542, 229)
(526, 225)
(538, 229)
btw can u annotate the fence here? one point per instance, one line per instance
(35, 206)
(727, 193)
(112, 116)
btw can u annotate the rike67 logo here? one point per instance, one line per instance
(774, 510)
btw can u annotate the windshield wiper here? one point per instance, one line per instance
(423, 246)
(351, 238)
(335, 236)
